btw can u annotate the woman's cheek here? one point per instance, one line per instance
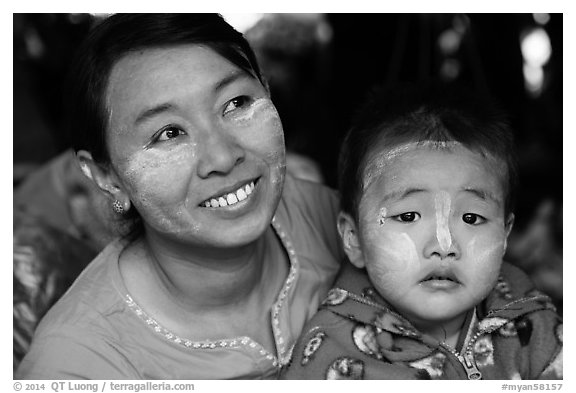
(156, 181)
(261, 131)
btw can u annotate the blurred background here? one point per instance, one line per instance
(319, 67)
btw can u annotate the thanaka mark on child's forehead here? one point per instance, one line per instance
(378, 160)
(381, 156)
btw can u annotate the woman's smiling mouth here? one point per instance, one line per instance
(231, 198)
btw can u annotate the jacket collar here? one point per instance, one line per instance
(354, 297)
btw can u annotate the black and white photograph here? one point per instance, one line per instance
(294, 196)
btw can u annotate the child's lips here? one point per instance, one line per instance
(443, 279)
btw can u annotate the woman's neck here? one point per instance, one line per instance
(208, 280)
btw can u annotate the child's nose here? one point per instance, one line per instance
(442, 244)
(442, 247)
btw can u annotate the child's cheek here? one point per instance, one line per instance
(485, 253)
(385, 248)
(392, 260)
(400, 251)
(388, 252)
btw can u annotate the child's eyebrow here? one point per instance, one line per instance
(482, 194)
(402, 194)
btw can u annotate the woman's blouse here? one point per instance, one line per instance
(98, 331)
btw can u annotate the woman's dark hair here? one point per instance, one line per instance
(417, 113)
(121, 34)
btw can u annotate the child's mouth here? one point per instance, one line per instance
(435, 277)
(440, 280)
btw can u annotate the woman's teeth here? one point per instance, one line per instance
(231, 198)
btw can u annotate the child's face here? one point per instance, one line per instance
(431, 229)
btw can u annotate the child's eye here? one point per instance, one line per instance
(236, 103)
(167, 133)
(473, 219)
(407, 217)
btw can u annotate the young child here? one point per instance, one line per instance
(427, 181)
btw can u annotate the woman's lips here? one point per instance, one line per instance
(231, 198)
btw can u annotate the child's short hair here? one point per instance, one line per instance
(415, 113)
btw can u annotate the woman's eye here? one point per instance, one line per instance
(169, 133)
(236, 103)
(407, 217)
(473, 219)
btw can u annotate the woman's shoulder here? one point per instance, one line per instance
(313, 202)
(92, 296)
(83, 326)
(296, 189)
(69, 353)
(308, 212)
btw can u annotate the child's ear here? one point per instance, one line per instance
(349, 234)
(508, 227)
(509, 224)
(104, 177)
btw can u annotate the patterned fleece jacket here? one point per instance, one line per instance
(514, 333)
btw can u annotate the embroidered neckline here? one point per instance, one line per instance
(284, 353)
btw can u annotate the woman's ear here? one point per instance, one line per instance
(104, 177)
(349, 234)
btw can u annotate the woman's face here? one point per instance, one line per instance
(196, 144)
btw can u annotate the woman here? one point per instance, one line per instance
(226, 259)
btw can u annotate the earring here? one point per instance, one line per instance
(117, 207)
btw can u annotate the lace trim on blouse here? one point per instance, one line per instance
(284, 353)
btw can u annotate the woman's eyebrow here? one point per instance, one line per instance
(228, 80)
(151, 112)
(167, 107)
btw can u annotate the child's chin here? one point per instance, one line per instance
(444, 312)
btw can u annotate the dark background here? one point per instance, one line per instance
(319, 67)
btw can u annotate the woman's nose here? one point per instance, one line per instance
(219, 154)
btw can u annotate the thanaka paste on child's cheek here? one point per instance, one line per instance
(382, 216)
(397, 249)
(482, 250)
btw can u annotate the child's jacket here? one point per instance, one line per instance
(514, 334)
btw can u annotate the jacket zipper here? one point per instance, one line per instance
(467, 359)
